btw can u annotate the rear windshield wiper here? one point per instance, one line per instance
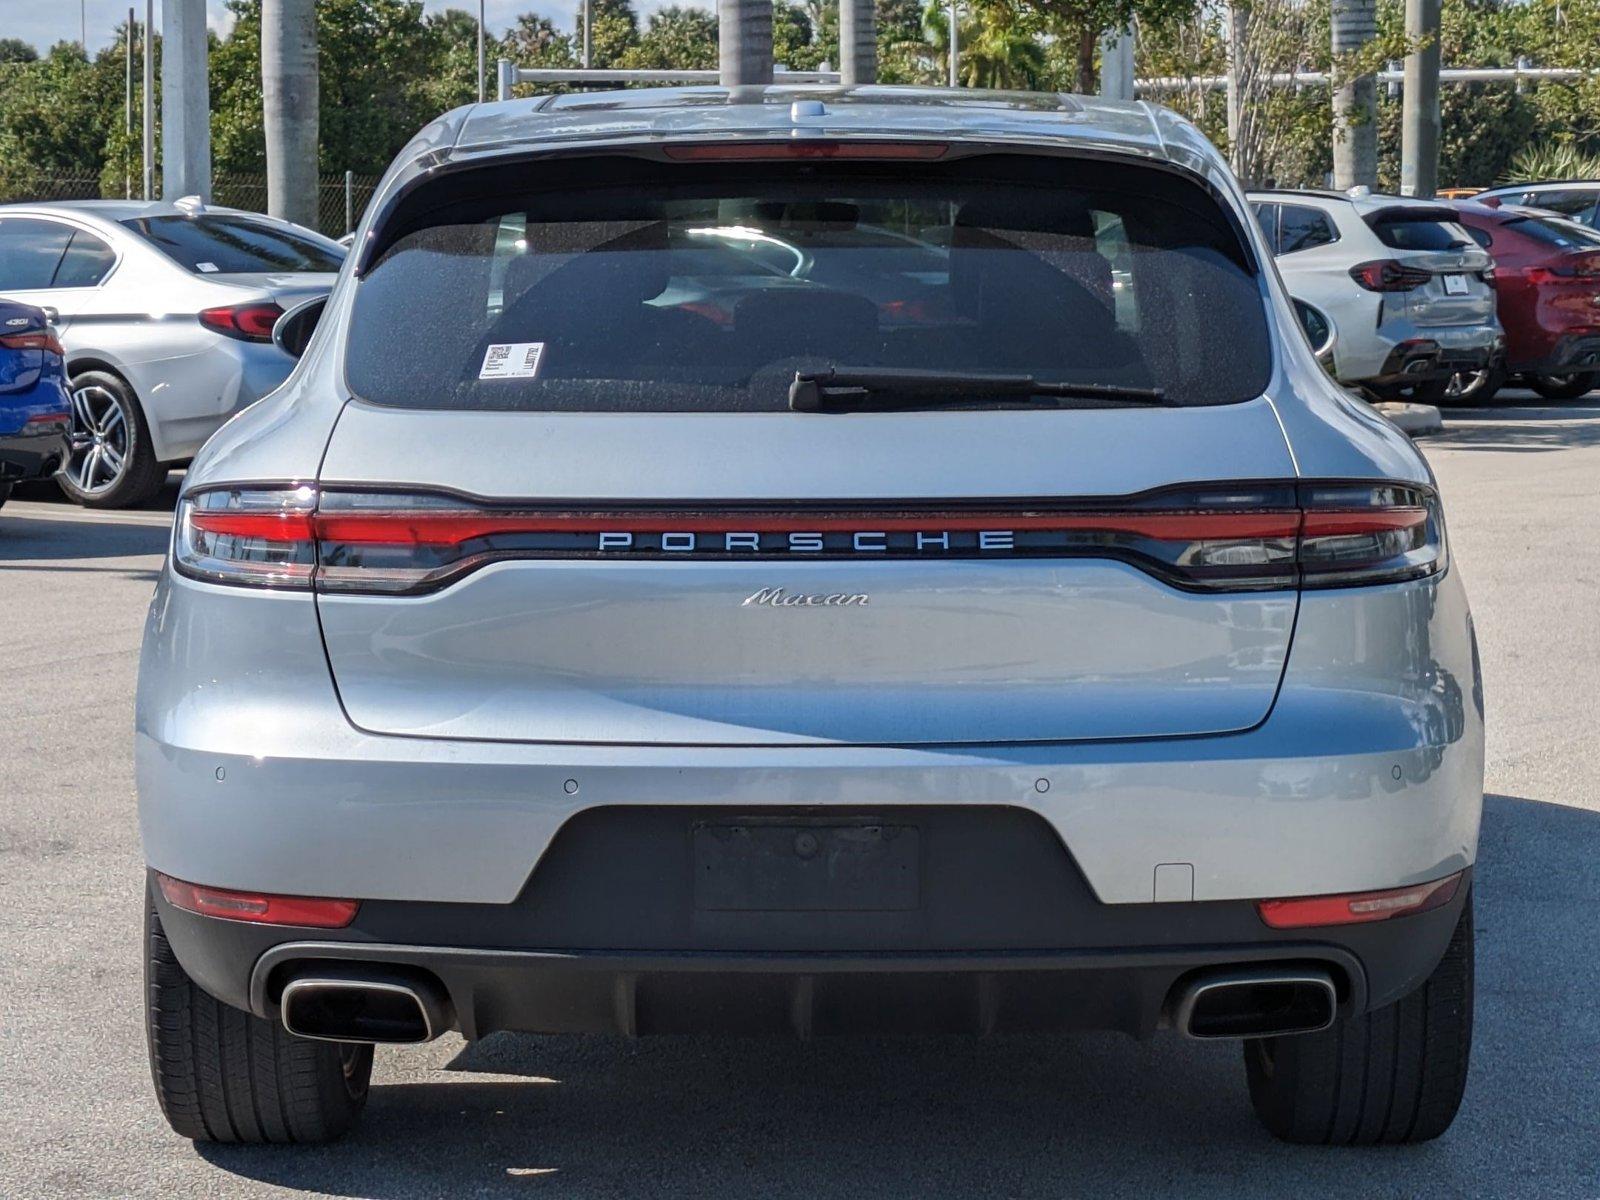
(846, 389)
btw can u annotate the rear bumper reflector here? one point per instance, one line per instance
(1358, 907)
(254, 907)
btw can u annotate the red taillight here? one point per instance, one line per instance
(256, 907)
(1222, 538)
(1574, 268)
(1386, 275)
(40, 422)
(807, 148)
(248, 322)
(42, 339)
(1358, 907)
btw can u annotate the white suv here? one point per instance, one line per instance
(803, 561)
(1408, 291)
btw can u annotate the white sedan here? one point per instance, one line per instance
(166, 313)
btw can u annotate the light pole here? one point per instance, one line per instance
(955, 46)
(127, 112)
(149, 64)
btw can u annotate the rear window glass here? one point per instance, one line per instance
(642, 286)
(1549, 231)
(1412, 233)
(218, 243)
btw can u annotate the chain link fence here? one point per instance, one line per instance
(341, 198)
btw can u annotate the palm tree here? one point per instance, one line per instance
(289, 107)
(997, 51)
(1355, 99)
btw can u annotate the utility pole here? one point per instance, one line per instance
(955, 46)
(1419, 111)
(858, 42)
(127, 111)
(1355, 100)
(1238, 33)
(148, 148)
(83, 26)
(480, 55)
(588, 34)
(185, 101)
(744, 42)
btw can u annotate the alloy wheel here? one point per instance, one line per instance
(1465, 383)
(101, 440)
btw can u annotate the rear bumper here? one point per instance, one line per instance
(1116, 968)
(1572, 352)
(32, 455)
(1440, 353)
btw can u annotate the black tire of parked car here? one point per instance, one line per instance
(1394, 1075)
(1564, 387)
(223, 1075)
(143, 475)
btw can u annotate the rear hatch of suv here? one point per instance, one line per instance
(910, 445)
(1450, 269)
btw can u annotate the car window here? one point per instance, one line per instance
(1579, 205)
(1482, 236)
(1552, 231)
(86, 261)
(30, 251)
(221, 243)
(1301, 227)
(1403, 232)
(1267, 218)
(636, 287)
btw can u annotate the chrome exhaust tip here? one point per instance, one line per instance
(338, 1005)
(1247, 1002)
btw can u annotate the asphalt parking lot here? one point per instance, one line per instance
(1008, 1117)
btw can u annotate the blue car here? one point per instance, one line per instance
(35, 409)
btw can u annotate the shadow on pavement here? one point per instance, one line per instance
(1543, 427)
(165, 500)
(53, 544)
(1025, 1116)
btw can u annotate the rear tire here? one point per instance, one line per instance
(1564, 387)
(113, 464)
(223, 1075)
(1394, 1075)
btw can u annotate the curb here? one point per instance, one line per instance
(1415, 419)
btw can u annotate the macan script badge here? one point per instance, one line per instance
(778, 598)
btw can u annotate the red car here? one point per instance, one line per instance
(1547, 285)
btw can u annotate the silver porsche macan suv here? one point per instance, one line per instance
(809, 560)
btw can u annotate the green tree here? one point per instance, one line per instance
(996, 48)
(616, 31)
(57, 115)
(676, 38)
(378, 75)
(15, 50)
(794, 37)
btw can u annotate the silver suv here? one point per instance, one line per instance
(809, 560)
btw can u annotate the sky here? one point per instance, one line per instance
(45, 22)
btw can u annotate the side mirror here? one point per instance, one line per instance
(1318, 330)
(292, 332)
